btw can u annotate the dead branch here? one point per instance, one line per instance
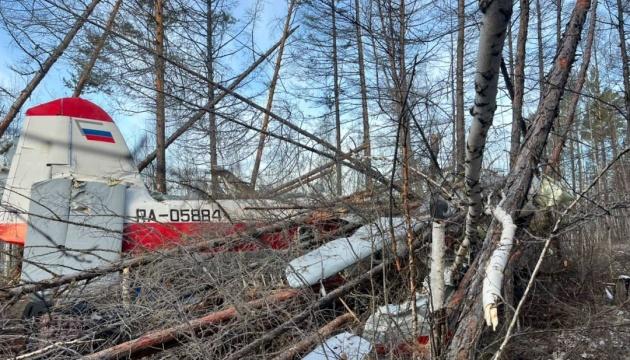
(45, 66)
(87, 70)
(160, 337)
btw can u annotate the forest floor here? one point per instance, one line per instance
(581, 322)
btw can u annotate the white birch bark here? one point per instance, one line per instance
(437, 265)
(496, 18)
(492, 283)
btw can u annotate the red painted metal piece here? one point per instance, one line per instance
(75, 107)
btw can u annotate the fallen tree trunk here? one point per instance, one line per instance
(554, 160)
(314, 338)
(311, 175)
(161, 337)
(493, 280)
(272, 91)
(467, 302)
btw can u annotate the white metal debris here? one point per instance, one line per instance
(339, 254)
(393, 323)
(342, 346)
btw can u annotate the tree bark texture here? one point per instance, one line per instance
(460, 124)
(624, 64)
(335, 64)
(45, 67)
(160, 104)
(541, 53)
(212, 116)
(365, 116)
(495, 21)
(470, 321)
(519, 81)
(554, 160)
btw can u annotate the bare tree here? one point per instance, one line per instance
(160, 104)
(365, 116)
(98, 47)
(519, 81)
(558, 147)
(625, 65)
(335, 64)
(460, 150)
(45, 67)
(272, 90)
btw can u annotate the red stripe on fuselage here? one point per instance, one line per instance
(148, 236)
(101, 138)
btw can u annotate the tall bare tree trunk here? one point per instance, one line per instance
(519, 81)
(624, 64)
(333, 10)
(541, 53)
(470, 321)
(160, 118)
(460, 124)
(270, 95)
(212, 116)
(558, 23)
(491, 39)
(45, 67)
(556, 152)
(98, 47)
(210, 104)
(510, 62)
(367, 152)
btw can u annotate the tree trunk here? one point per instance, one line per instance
(460, 125)
(207, 108)
(160, 115)
(272, 91)
(45, 67)
(519, 81)
(333, 10)
(470, 321)
(625, 65)
(367, 152)
(541, 53)
(554, 160)
(558, 23)
(491, 39)
(212, 116)
(98, 47)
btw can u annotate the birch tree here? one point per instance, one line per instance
(468, 295)
(496, 17)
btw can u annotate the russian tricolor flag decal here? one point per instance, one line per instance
(93, 131)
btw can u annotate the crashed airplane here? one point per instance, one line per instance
(74, 199)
